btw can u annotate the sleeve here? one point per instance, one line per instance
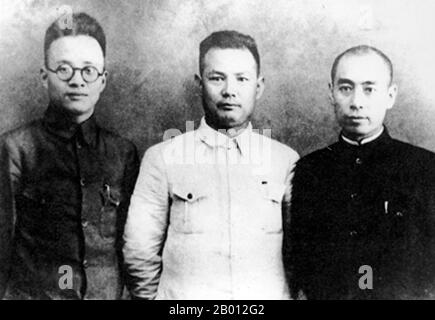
(426, 270)
(129, 179)
(9, 174)
(130, 175)
(289, 181)
(296, 231)
(146, 226)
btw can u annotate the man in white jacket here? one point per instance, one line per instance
(205, 219)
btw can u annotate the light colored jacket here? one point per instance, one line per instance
(205, 218)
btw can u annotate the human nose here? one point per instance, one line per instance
(230, 88)
(357, 101)
(77, 79)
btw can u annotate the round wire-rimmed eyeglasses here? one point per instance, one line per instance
(65, 72)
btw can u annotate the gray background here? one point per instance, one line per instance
(153, 52)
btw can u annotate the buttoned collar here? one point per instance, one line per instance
(363, 141)
(376, 145)
(57, 122)
(214, 138)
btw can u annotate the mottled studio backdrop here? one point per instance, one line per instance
(153, 52)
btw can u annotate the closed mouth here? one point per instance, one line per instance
(357, 118)
(76, 94)
(227, 105)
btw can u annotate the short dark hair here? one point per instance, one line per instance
(228, 39)
(361, 50)
(82, 24)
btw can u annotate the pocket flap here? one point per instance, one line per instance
(275, 191)
(189, 192)
(33, 194)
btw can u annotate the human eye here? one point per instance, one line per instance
(64, 69)
(345, 89)
(90, 70)
(369, 90)
(242, 79)
(216, 78)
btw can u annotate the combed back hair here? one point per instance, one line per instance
(228, 39)
(82, 24)
(362, 50)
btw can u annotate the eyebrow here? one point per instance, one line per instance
(348, 81)
(223, 73)
(69, 62)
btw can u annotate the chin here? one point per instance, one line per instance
(77, 108)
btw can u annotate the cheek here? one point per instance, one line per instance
(249, 94)
(211, 93)
(95, 90)
(340, 106)
(55, 88)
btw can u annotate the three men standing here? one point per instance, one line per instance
(205, 219)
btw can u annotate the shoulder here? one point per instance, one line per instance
(413, 156)
(22, 135)
(318, 158)
(114, 139)
(279, 150)
(171, 150)
(407, 149)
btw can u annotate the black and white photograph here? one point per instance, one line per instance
(238, 151)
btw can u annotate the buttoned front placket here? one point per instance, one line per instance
(89, 179)
(232, 156)
(237, 174)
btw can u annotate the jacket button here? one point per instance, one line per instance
(82, 182)
(85, 264)
(189, 196)
(358, 161)
(85, 223)
(353, 233)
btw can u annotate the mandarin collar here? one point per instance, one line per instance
(379, 141)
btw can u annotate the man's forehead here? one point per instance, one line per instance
(230, 59)
(79, 49)
(365, 67)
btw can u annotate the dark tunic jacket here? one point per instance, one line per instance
(64, 193)
(369, 205)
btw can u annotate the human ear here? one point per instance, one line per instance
(331, 94)
(43, 74)
(392, 94)
(260, 87)
(198, 80)
(104, 80)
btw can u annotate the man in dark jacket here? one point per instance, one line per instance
(65, 182)
(362, 218)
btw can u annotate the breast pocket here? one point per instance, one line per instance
(36, 211)
(111, 198)
(396, 214)
(271, 207)
(31, 205)
(189, 212)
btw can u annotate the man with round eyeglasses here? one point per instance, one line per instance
(65, 72)
(65, 182)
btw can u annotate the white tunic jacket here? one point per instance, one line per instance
(205, 219)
